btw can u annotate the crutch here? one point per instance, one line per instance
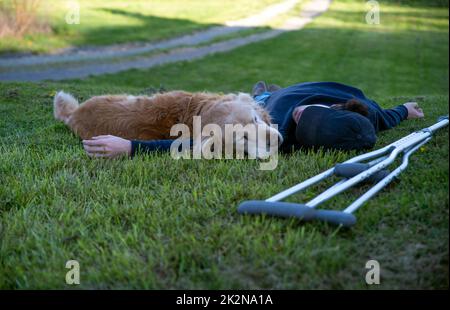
(353, 171)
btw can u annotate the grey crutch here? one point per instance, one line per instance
(353, 171)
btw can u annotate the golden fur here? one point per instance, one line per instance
(151, 118)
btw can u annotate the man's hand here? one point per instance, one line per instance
(107, 146)
(414, 111)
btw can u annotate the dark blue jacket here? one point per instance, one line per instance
(281, 103)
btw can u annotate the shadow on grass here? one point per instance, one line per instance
(419, 3)
(388, 62)
(148, 28)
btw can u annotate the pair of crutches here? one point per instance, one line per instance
(352, 171)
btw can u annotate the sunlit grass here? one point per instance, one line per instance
(153, 222)
(393, 18)
(109, 22)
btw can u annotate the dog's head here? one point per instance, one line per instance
(245, 125)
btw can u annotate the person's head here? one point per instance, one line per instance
(342, 127)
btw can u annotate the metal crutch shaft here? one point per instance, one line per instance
(384, 182)
(406, 145)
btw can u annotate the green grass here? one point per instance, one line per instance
(116, 21)
(153, 222)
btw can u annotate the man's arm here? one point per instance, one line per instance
(111, 146)
(384, 119)
(139, 147)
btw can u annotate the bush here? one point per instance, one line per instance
(19, 17)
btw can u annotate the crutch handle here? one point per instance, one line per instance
(300, 211)
(349, 170)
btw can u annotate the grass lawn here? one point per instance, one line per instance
(117, 21)
(153, 222)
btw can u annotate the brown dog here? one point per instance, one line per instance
(151, 118)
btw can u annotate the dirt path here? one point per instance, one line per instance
(37, 68)
(132, 49)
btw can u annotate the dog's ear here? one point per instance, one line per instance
(265, 116)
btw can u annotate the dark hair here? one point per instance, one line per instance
(331, 129)
(353, 105)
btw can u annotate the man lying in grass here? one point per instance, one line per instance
(309, 115)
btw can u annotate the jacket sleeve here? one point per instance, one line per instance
(142, 147)
(384, 119)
